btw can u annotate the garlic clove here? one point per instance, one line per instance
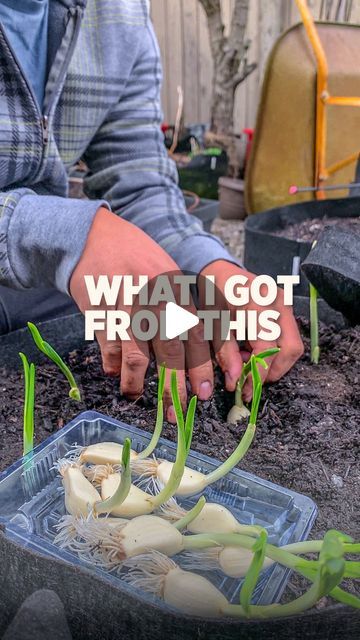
(104, 453)
(192, 481)
(237, 413)
(137, 502)
(213, 518)
(193, 594)
(80, 495)
(149, 532)
(235, 561)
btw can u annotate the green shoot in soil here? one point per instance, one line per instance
(246, 440)
(29, 404)
(239, 410)
(314, 325)
(48, 350)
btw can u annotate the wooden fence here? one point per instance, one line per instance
(182, 32)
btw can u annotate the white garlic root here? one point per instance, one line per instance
(106, 543)
(71, 527)
(97, 473)
(233, 561)
(192, 481)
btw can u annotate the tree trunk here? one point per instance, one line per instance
(222, 117)
(229, 55)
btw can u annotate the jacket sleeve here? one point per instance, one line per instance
(130, 168)
(42, 238)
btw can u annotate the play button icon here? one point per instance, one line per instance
(169, 308)
(178, 320)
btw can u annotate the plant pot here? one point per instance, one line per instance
(231, 197)
(277, 255)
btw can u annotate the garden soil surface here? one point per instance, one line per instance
(310, 229)
(307, 438)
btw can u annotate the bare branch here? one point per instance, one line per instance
(240, 77)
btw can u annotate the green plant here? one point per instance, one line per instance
(121, 493)
(239, 410)
(29, 405)
(48, 350)
(192, 481)
(109, 453)
(195, 595)
(314, 325)
(136, 501)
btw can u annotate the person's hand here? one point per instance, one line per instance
(117, 247)
(228, 354)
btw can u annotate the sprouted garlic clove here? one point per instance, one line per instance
(237, 413)
(214, 518)
(192, 481)
(103, 453)
(80, 495)
(235, 561)
(151, 532)
(137, 502)
(183, 590)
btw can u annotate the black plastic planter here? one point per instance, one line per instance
(275, 255)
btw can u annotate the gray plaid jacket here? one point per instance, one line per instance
(101, 104)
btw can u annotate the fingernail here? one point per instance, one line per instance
(170, 414)
(205, 390)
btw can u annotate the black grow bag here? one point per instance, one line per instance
(95, 611)
(277, 255)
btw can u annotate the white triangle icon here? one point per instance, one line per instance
(178, 320)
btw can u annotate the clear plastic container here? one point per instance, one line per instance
(32, 502)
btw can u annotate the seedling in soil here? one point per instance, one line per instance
(314, 325)
(48, 350)
(193, 481)
(239, 411)
(29, 405)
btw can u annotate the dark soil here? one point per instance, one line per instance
(307, 438)
(310, 229)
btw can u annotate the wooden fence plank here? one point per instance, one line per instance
(182, 32)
